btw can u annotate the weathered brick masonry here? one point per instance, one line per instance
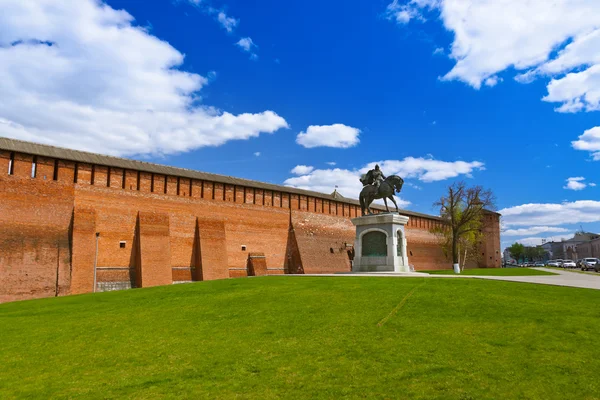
(62, 212)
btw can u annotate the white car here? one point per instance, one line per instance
(588, 263)
(553, 263)
(568, 264)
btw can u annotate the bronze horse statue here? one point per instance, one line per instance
(386, 190)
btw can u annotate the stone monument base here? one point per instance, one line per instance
(380, 244)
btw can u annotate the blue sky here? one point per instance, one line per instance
(503, 95)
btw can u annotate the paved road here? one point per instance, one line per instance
(563, 278)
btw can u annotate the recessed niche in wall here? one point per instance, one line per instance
(122, 244)
(243, 247)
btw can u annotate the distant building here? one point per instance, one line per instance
(549, 248)
(579, 246)
(589, 249)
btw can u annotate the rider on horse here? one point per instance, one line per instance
(377, 175)
(377, 186)
(373, 177)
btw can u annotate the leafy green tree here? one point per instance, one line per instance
(462, 208)
(517, 250)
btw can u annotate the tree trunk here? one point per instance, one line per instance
(455, 254)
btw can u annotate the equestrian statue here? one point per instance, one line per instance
(377, 186)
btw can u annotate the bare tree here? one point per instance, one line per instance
(462, 208)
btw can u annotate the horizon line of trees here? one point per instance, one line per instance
(521, 252)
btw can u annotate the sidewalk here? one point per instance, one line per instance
(563, 278)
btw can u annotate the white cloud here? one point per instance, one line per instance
(534, 230)
(575, 183)
(326, 180)
(439, 50)
(492, 81)
(539, 38)
(537, 241)
(413, 9)
(589, 141)
(246, 44)
(257, 154)
(332, 163)
(81, 75)
(337, 135)
(550, 214)
(412, 185)
(427, 169)
(349, 185)
(229, 23)
(302, 170)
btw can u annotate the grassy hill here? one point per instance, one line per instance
(305, 337)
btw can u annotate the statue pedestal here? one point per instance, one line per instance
(380, 244)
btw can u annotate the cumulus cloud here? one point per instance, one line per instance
(534, 230)
(336, 135)
(302, 170)
(577, 183)
(349, 185)
(247, 45)
(550, 214)
(326, 181)
(492, 81)
(407, 11)
(427, 169)
(589, 141)
(229, 23)
(537, 241)
(82, 75)
(559, 40)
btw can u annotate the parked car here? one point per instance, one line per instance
(589, 263)
(553, 263)
(539, 264)
(568, 264)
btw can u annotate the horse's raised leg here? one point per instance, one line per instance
(386, 206)
(396, 204)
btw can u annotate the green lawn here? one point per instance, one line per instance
(494, 272)
(306, 337)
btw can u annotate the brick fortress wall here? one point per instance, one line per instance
(156, 230)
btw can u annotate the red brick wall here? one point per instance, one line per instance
(84, 250)
(257, 264)
(423, 248)
(35, 221)
(4, 162)
(155, 250)
(316, 237)
(193, 236)
(490, 248)
(45, 168)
